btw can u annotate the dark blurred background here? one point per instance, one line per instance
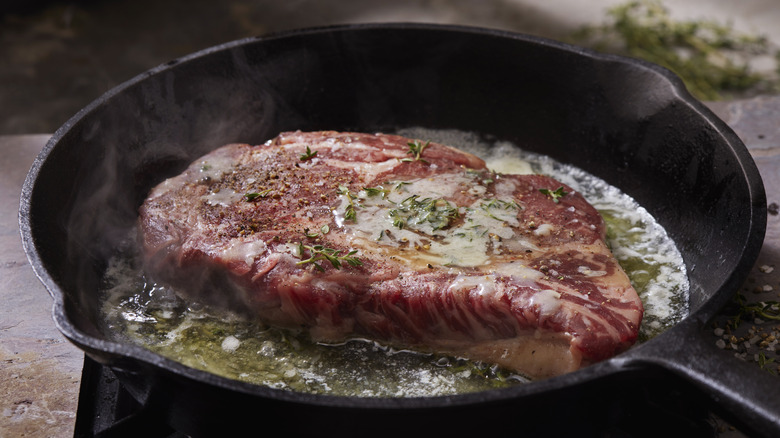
(56, 56)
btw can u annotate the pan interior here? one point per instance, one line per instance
(140, 311)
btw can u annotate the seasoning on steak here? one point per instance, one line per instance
(405, 242)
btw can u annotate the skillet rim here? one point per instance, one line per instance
(111, 351)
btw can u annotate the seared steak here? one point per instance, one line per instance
(401, 241)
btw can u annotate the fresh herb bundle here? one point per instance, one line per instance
(711, 58)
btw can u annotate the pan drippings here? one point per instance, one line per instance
(139, 311)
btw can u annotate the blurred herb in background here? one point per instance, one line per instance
(712, 59)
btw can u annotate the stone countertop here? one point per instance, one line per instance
(40, 370)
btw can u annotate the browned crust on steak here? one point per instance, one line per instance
(530, 284)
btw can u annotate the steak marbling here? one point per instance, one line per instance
(408, 243)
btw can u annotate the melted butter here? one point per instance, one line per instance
(544, 229)
(244, 251)
(510, 165)
(215, 167)
(521, 274)
(484, 285)
(370, 170)
(224, 197)
(422, 234)
(547, 300)
(590, 273)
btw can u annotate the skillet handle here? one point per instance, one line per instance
(742, 393)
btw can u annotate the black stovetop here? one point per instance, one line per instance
(106, 409)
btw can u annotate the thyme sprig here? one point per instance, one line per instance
(556, 194)
(712, 58)
(416, 149)
(762, 309)
(349, 212)
(308, 155)
(399, 186)
(325, 229)
(764, 361)
(377, 191)
(249, 197)
(319, 253)
(413, 210)
(497, 204)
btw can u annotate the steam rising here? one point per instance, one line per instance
(150, 128)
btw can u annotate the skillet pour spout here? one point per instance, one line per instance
(628, 122)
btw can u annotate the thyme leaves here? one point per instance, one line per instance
(499, 206)
(308, 155)
(349, 211)
(325, 229)
(556, 194)
(377, 191)
(320, 253)
(415, 210)
(252, 196)
(415, 150)
(712, 58)
(767, 310)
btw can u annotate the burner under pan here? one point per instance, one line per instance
(652, 408)
(107, 410)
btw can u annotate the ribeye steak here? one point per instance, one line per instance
(405, 242)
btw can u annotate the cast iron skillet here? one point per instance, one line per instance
(629, 122)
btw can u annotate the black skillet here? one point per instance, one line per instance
(629, 122)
